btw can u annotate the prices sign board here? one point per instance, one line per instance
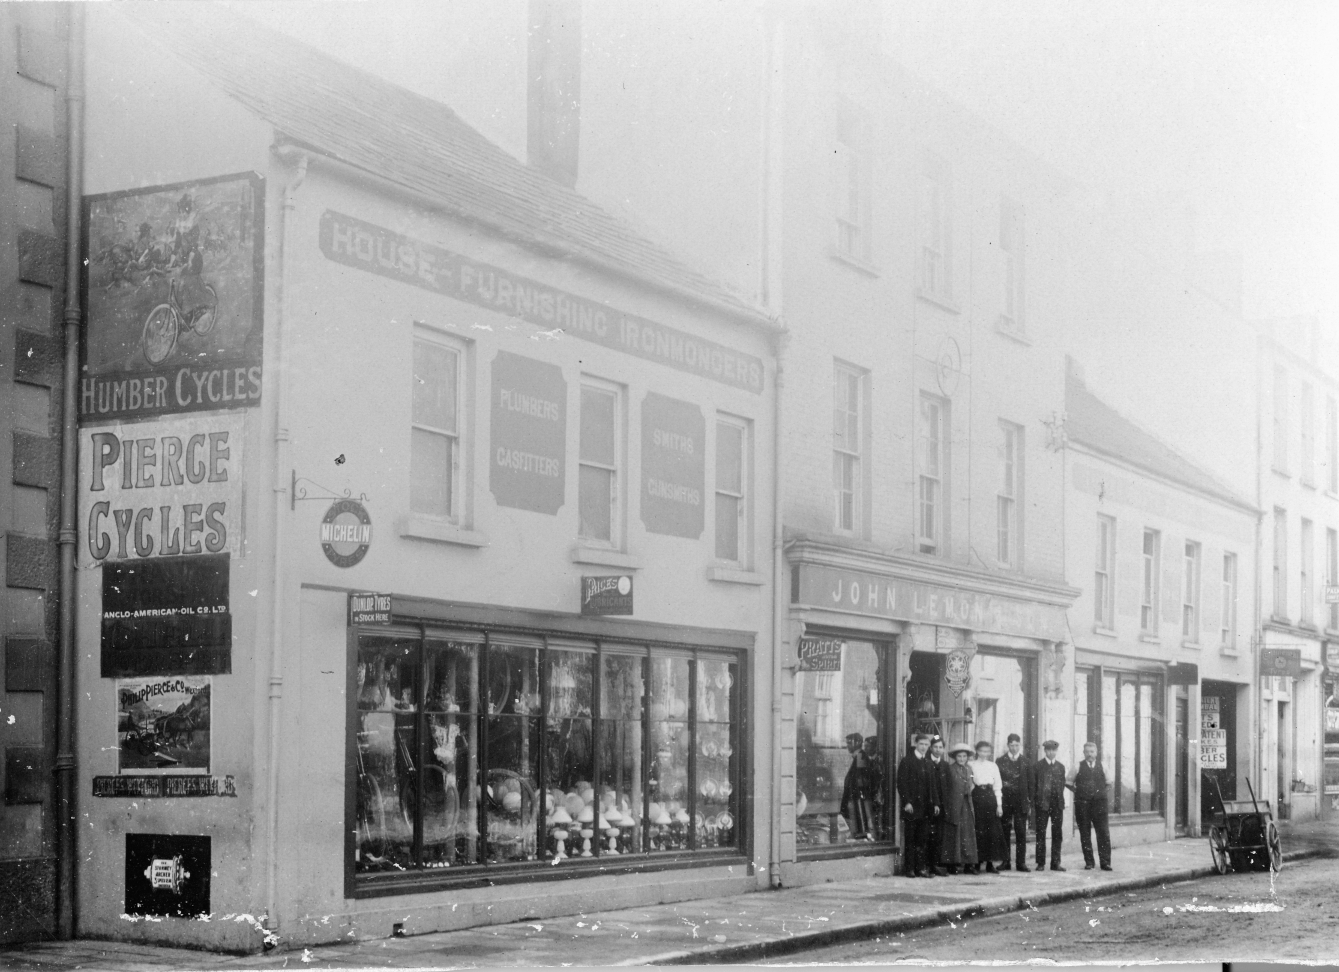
(606, 594)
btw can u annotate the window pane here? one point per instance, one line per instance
(570, 753)
(671, 742)
(435, 386)
(1129, 782)
(386, 743)
(1109, 741)
(595, 503)
(430, 473)
(513, 752)
(597, 426)
(997, 693)
(727, 527)
(450, 787)
(839, 784)
(717, 763)
(1082, 731)
(1146, 790)
(729, 458)
(621, 691)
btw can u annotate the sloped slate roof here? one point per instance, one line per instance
(1098, 426)
(367, 122)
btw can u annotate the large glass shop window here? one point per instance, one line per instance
(475, 751)
(840, 750)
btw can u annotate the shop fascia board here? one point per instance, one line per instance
(745, 316)
(844, 554)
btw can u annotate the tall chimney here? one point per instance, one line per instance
(554, 89)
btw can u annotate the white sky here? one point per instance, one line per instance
(1227, 106)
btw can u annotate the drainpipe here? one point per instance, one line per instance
(296, 160)
(66, 810)
(1258, 628)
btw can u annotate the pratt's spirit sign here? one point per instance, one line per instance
(820, 654)
(893, 597)
(378, 250)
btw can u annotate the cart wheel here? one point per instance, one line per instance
(1218, 848)
(1275, 847)
(160, 333)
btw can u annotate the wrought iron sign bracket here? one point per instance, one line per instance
(296, 493)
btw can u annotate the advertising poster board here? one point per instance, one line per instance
(162, 488)
(166, 616)
(529, 434)
(820, 654)
(163, 724)
(1213, 740)
(674, 467)
(174, 299)
(167, 875)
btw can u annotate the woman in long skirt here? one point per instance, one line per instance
(988, 805)
(957, 846)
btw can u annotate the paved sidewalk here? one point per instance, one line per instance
(734, 929)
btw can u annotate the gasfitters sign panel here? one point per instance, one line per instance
(164, 488)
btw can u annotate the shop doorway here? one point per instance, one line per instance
(1182, 765)
(1284, 739)
(1218, 745)
(998, 697)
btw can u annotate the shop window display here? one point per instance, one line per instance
(473, 749)
(840, 755)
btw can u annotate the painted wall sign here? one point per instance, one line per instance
(1213, 740)
(892, 597)
(820, 654)
(155, 787)
(166, 616)
(1286, 662)
(674, 466)
(346, 532)
(606, 594)
(162, 724)
(528, 450)
(369, 608)
(167, 874)
(1184, 673)
(355, 243)
(161, 488)
(1332, 657)
(174, 291)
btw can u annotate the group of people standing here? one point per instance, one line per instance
(959, 812)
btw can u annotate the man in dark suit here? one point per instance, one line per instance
(939, 767)
(1016, 775)
(1048, 797)
(918, 796)
(1090, 808)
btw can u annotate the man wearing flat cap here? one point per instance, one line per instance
(1049, 800)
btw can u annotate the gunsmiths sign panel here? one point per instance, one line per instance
(166, 616)
(894, 597)
(174, 285)
(673, 466)
(529, 434)
(355, 243)
(161, 489)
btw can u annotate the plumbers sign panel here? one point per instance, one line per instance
(174, 285)
(164, 488)
(529, 434)
(165, 616)
(673, 466)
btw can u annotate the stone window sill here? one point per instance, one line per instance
(1104, 632)
(1192, 645)
(939, 300)
(1012, 332)
(1150, 639)
(735, 575)
(864, 266)
(604, 557)
(439, 531)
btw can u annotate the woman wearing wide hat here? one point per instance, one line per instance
(957, 846)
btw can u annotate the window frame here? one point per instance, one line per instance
(484, 630)
(1096, 676)
(934, 209)
(1332, 573)
(1228, 617)
(744, 532)
(617, 488)
(935, 542)
(1009, 498)
(852, 230)
(847, 461)
(1306, 426)
(1332, 444)
(1280, 420)
(458, 447)
(1306, 573)
(1104, 595)
(1191, 592)
(1012, 252)
(1150, 604)
(1280, 607)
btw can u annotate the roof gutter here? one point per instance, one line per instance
(742, 314)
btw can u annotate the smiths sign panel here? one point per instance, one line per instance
(820, 654)
(161, 489)
(673, 466)
(1281, 661)
(529, 426)
(369, 608)
(375, 249)
(174, 299)
(607, 594)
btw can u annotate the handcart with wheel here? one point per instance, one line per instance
(1243, 835)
